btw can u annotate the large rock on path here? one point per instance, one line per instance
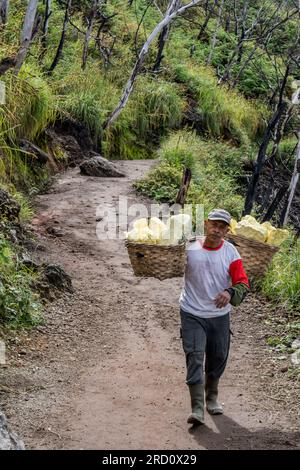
(99, 166)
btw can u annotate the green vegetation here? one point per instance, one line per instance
(213, 178)
(282, 282)
(155, 108)
(224, 113)
(18, 304)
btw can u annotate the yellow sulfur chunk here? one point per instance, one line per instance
(268, 226)
(232, 226)
(249, 227)
(142, 235)
(277, 236)
(252, 230)
(178, 226)
(157, 227)
(140, 224)
(251, 220)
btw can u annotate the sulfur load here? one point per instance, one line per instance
(156, 232)
(249, 227)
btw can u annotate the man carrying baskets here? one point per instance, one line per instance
(214, 280)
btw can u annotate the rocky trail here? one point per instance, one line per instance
(107, 370)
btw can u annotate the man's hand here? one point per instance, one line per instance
(222, 299)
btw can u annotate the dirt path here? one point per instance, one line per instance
(107, 370)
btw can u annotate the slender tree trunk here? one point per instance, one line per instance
(242, 67)
(293, 185)
(62, 38)
(243, 30)
(142, 55)
(235, 16)
(208, 13)
(252, 188)
(48, 13)
(26, 34)
(4, 9)
(37, 23)
(214, 38)
(184, 187)
(89, 30)
(274, 204)
(163, 37)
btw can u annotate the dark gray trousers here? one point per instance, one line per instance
(207, 338)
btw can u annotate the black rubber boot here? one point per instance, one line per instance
(211, 395)
(197, 402)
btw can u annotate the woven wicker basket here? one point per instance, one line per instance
(256, 256)
(159, 261)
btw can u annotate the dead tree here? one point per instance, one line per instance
(260, 161)
(209, 11)
(37, 25)
(214, 37)
(242, 35)
(163, 37)
(48, 13)
(275, 203)
(90, 24)
(184, 187)
(142, 55)
(292, 188)
(295, 176)
(259, 32)
(62, 38)
(26, 35)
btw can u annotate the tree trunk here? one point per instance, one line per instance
(274, 204)
(88, 33)
(243, 31)
(163, 37)
(62, 38)
(214, 38)
(242, 67)
(26, 34)
(37, 23)
(185, 183)
(252, 188)
(4, 9)
(293, 185)
(48, 13)
(143, 53)
(208, 13)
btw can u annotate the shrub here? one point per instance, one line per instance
(282, 282)
(162, 183)
(224, 113)
(30, 105)
(154, 107)
(18, 305)
(181, 149)
(212, 184)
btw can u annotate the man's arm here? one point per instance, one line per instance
(240, 283)
(237, 293)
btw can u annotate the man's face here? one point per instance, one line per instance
(216, 230)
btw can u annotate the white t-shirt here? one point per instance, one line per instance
(208, 272)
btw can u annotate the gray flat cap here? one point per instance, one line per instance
(220, 214)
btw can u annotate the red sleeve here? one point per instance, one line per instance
(237, 273)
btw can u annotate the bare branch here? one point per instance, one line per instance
(142, 55)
